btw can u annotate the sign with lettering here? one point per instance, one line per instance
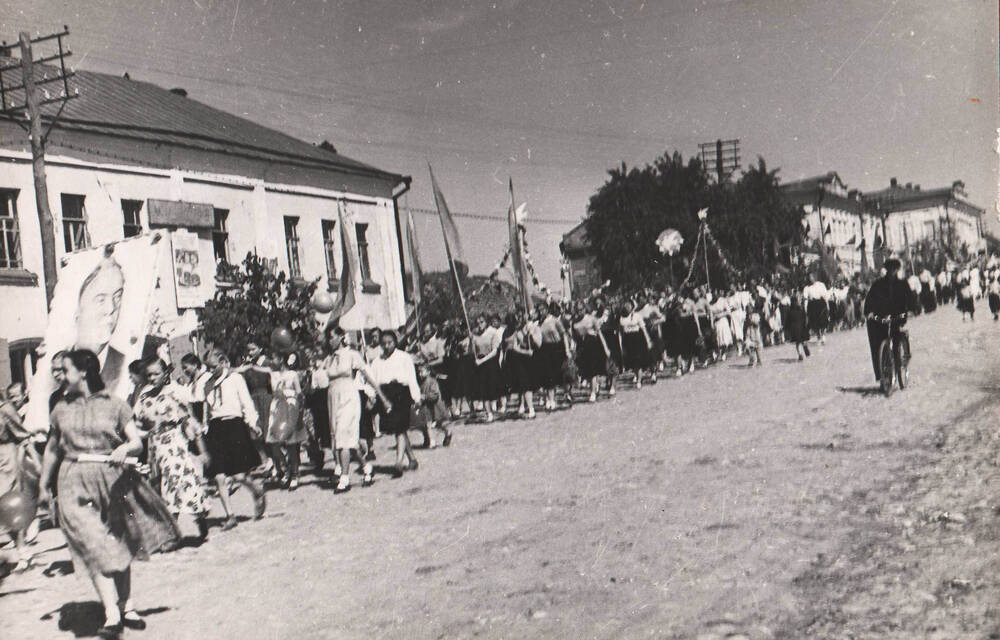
(189, 273)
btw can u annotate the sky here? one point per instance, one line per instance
(552, 94)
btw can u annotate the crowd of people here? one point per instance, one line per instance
(126, 478)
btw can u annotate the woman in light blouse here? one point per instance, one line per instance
(396, 377)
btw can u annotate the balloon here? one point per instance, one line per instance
(669, 242)
(322, 302)
(16, 510)
(281, 339)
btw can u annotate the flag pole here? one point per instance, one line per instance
(522, 289)
(451, 260)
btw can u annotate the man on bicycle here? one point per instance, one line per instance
(886, 297)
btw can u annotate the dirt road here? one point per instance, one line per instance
(782, 502)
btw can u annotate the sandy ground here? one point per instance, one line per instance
(790, 501)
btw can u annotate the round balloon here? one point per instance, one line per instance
(16, 510)
(322, 302)
(282, 340)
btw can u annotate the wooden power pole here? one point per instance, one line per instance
(13, 105)
(35, 136)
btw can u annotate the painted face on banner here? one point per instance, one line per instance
(99, 307)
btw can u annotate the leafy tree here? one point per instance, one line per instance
(253, 301)
(752, 222)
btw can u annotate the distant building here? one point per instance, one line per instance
(854, 224)
(127, 157)
(584, 273)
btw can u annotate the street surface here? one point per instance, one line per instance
(788, 501)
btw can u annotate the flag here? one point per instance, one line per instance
(348, 267)
(416, 274)
(452, 244)
(517, 253)
(828, 230)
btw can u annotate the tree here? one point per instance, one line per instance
(750, 219)
(253, 302)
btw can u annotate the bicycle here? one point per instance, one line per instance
(893, 354)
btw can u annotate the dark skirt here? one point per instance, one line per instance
(490, 384)
(706, 342)
(927, 297)
(672, 342)
(994, 300)
(366, 429)
(445, 375)
(796, 330)
(230, 448)
(819, 315)
(519, 372)
(636, 351)
(590, 358)
(316, 403)
(464, 384)
(397, 421)
(966, 305)
(688, 343)
(548, 361)
(614, 346)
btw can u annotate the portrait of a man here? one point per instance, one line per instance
(97, 312)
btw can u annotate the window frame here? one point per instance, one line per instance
(292, 246)
(135, 227)
(10, 231)
(364, 259)
(328, 228)
(220, 234)
(74, 228)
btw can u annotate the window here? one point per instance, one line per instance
(292, 244)
(131, 218)
(220, 236)
(10, 236)
(329, 244)
(74, 223)
(362, 232)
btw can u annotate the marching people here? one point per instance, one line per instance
(592, 351)
(887, 297)
(107, 512)
(231, 416)
(551, 355)
(636, 343)
(15, 443)
(521, 375)
(796, 326)
(486, 345)
(285, 427)
(993, 298)
(163, 413)
(966, 300)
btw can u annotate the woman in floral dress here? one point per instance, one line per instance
(163, 412)
(285, 429)
(108, 513)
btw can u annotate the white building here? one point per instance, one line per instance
(854, 224)
(126, 157)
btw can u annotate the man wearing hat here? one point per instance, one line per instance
(886, 297)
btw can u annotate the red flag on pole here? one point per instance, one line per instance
(517, 254)
(416, 273)
(452, 245)
(347, 300)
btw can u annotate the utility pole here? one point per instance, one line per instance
(721, 156)
(31, 107)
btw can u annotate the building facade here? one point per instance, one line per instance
(583, 272)
(128, 157)
(858, 227)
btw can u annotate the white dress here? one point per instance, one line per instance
(723, 332)
(738, 315)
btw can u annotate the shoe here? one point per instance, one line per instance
(339, 471)
(593, 397)
(132, 620)
(111, 631)
(612, 391)
(414, 465)
(447, 440)
(367, 481)
(397, 471)
(31, 531)
(638, 383)
(293, 484)
(370, 456)
(805, 348)
(229, 523)
(343, 485)
(531, 415)
(259, 504)
(800, 357)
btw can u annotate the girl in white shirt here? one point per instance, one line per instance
(396, 377)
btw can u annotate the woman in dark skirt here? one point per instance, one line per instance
(928, 298)
(818, 314)
(635, 342)
(993, 297)
(489, 381)
(591, 351)
(610, 331)
(518, 367)
(109, 515)
(551, 354)
(689, 334)
(396, 377)
(796, 327)
(232, 418)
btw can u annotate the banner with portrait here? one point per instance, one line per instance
(102, 302)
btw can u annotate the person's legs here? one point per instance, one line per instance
(409, 451)
(260, 503)
(222, 486)
(292, 456)
(876, 334)
(106, 591)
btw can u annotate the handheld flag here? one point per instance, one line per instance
(517, 252)
(416, 273)
(347, 299)
(450, 233)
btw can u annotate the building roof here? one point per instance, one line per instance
(122, 107)
(575, 239)
(834, 192)
(900, 197)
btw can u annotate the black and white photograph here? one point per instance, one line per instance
(673, 319)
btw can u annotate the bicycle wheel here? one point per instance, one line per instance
(903, 361)
(886, 367)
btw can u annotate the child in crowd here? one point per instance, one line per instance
(432, 406)
(754, 339)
